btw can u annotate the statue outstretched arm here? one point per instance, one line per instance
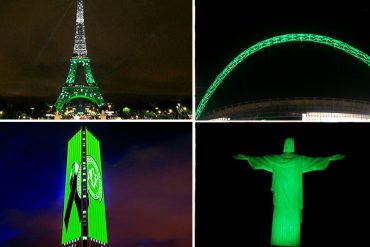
(240, 157)
(319, 163)
(337, 157)
(257, 162)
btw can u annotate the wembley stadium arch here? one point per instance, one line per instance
(363, 109)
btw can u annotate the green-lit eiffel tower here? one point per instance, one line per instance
(80, 83)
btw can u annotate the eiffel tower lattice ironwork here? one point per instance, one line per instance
(80, 83)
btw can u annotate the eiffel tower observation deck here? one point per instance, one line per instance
(80, 89)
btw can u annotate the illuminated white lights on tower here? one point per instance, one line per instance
(80, 48)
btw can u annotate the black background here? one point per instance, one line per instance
(234, 203)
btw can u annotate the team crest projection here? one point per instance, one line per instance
(94, 181)
(84, 219)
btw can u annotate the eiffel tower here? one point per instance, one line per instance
(80, 83)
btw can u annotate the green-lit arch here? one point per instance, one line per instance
(274, 41)
(62, 103)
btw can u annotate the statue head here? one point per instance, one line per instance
(289, 145)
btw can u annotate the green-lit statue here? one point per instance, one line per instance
(287, 170)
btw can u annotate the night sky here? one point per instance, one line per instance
(147, 174)
(285, 70)
(234, 202)
(139, 49)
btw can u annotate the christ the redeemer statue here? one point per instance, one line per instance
(287, 170)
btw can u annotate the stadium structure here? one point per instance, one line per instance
(305, 109)
(300, 109)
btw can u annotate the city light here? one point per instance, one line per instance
(334, 117)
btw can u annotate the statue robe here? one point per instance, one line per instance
(287, 189)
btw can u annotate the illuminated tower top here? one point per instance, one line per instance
(79, 48)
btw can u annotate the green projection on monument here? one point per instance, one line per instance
(96, 211)
(71, 216)
(287, 169)
(295, 37)
(84, 209)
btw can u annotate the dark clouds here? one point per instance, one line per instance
(136, 47)
(147, 172)
(33, 228)
(154, 188)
